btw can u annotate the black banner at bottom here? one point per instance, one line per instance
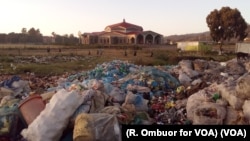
(204, 132)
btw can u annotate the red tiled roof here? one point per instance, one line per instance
(124, 24)
(128, 33)
(134, 32)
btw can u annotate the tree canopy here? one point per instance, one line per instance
(34, 36)
(225, 24)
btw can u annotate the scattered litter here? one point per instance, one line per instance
(117, 92)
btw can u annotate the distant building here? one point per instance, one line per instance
(194, 45)
(247, 39)
(242, 47)
(122, 33)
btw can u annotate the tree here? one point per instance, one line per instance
(53, 34)
(225, 24)
(23, 36)
(24, 31)
(35, 36)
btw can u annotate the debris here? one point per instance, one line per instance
(192, 92)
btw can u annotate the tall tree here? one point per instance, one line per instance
(35, 36)
(225, 24)
(32, 31)
(23, 37)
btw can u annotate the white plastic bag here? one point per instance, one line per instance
(52, 121)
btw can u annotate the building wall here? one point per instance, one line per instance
(120, 35)
(242, 47)
(194, 46)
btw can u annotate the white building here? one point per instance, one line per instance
(194, 45)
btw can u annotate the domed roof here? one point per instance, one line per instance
(125, 24)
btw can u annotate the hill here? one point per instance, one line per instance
(202, 36)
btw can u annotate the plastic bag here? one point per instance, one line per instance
(96, 127)
(140, 103)
(52, 121)
(209, 114)
(118, 94)
(137, 88)
(242, 87)
(184, 79)
(246, 110)
(11, 123)
(10, 126)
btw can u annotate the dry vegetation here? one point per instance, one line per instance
(20, 59)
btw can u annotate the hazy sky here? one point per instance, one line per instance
(71, 16)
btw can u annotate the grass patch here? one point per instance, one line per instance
(77, 59)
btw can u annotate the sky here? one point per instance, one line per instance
(165, 17)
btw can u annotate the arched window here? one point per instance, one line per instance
(149, 39)
(132, 40)
(157, 39)
(139, 39)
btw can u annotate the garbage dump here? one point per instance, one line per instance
(93, 105)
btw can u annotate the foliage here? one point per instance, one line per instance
(34, 36)
(225, 24)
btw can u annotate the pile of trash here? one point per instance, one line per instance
(48, 59)
(94, 104)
